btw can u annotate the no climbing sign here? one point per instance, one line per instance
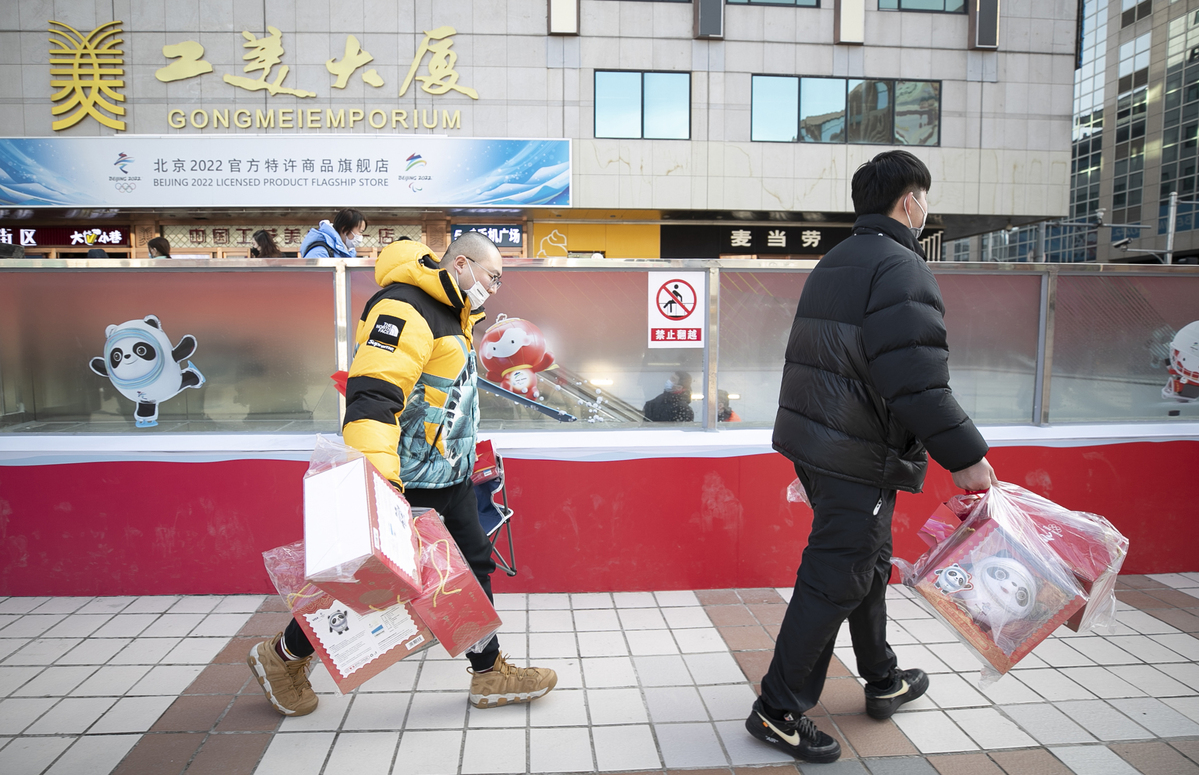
(678, 309)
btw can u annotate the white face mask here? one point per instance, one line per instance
(669, 385)
(476, 293)
(916, 230)
(355, 241)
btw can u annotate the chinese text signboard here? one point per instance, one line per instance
(681, 241)
(507, 235)
(678, 309)
(301, 171)
(84, 236)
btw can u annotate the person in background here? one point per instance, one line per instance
(264, 245)
(339, 239)
(159, 248)
(674, 404)
(724, 410)
(97, 253)
(9, 250)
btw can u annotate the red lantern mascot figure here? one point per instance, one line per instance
(512, 352)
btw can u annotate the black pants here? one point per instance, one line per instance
(460, 511)
(843, 575)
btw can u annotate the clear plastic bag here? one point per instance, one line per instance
(797, 494)
(329, 454)
(1015, 568)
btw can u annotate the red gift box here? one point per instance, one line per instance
(486, 466)
(452, 604)
(353, 648)
(361, 547)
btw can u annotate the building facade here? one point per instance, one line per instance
(745, 119)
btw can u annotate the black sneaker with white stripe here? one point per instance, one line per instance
(909, 685)
(799, 737)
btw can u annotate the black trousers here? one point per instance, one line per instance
(843, 575)
(460, 511)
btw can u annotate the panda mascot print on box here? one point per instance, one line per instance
(142, 365)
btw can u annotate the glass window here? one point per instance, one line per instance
(869, 112)
(617, 104)
(917, 112)
(822, 110)
(803, 3)
(941, 6)
(667, 106)
(775, 109)
(650, 105)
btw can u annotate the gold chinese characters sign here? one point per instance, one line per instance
(88, 72)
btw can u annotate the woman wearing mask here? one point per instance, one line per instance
(264, 245)
(339, 239)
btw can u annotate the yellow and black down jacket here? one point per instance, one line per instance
(411, 401)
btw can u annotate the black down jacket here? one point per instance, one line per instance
(866, 382)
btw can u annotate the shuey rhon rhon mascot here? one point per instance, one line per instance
(145, 368)
(1183, 384)
(512, 352)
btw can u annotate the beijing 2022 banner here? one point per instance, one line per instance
(262, 170)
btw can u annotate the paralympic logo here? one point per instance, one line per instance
(415, 160)
(123, 161)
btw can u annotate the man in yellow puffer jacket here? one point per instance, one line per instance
(412, 408)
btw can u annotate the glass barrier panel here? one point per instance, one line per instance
(264, 347)
(1112, 348)
(992, 323)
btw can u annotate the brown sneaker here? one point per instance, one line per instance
(285, 684)
(506, 684)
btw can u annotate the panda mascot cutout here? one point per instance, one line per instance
(142, 365)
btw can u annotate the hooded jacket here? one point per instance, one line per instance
(320, 238)
(865, 388)
(411, 401)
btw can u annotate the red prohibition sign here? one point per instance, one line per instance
(670, 300)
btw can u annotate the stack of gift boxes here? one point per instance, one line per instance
(374, 581)
(1006, 569)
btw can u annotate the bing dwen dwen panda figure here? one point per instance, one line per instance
(145, 368)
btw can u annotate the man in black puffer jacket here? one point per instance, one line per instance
(865, 395)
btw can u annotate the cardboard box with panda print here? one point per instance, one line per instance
(358, 534)
(353, 647)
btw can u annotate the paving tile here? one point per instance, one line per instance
(1189, 748)
(1057, 652)
(378, 712)
(195, 651)
(551, 621)
(55, 682)
(31, 754)
(1154, 682)
(699, 640)
(1103, 721)
(94, 754)
(220, 679)
(1187, 706)
(1139, 599)
(1146, 648)
(400, 677)
(675, 703)
(595, 620)
(906, 609)
(1103, 651)
(444, 676)
(730, 615)
(67, 605)
(958, 657)
(423, 753)
(952, 691)
(437, 710)
(1144, 623)
(264, 625)
(1155, 758)
(77, 626)
(990, 729)
(651, 642)
(964, 764)
(932, 731)
(677, 598)
(616, 706)
(1174, 580)
(193, 713)
(166, 679)
(665, 670)
(330, 711)
(542, 602)
(570, 672)
(717, 596)
(582, 600)
(928, 631)
(493, 751)
(235, 650)
(768, 613)
(16, 713)
(753, 664)
(1101, 682)
(239, 604)
(11, 646)
(172, 625)
(763, 595)
(146, 651)
(842, 767)
(641, 619)
(746, 638)
(639, 599)
(94, 651)
(106, 605)
(21, 605)
(689, 616)
(40, 651)
(843, 695)
(196, 604)
(729, 702)
(874, 738)
(1173, 597)
(601, 672)
(1157, 717)
(1047, 724)
(31, 626)
(363, 753)
(903, 766)
(300, 754)
(1177, 617)
(71, 716)
(605, 644)
(111, 681)
(229, 754)
(560, 750)
(1055, 685)
(561, 708)
(131, 714)
(249, 714)
(1183, 643)
(12, 678)
(151, 604)
(221, 625)
(511, 601)
(1035, 762)
(690, 745)
(1093, 760)
(552, 644)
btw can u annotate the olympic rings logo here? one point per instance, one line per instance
(125, 188)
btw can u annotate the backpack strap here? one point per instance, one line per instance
(332, 251)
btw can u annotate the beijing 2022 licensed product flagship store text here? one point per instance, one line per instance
(660, 178)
